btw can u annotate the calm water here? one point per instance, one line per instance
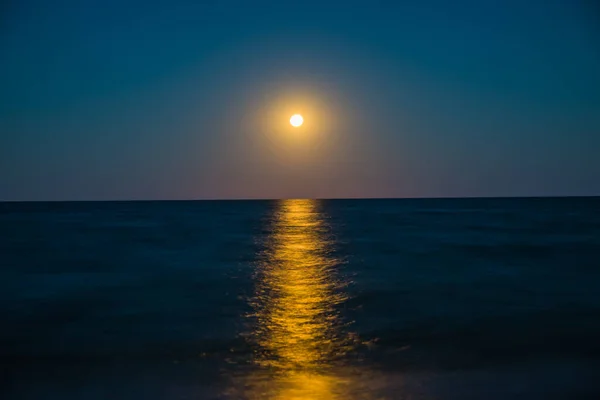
(301, 299)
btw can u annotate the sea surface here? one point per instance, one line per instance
(301, 299)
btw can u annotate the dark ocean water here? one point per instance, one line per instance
(301, 299)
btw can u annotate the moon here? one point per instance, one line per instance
(296, 120)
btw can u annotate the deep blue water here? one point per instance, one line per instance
(333, 299)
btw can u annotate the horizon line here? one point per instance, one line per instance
(305, 198)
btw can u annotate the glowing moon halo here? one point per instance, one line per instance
(296, 120)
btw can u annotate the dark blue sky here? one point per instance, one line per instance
(190, 99)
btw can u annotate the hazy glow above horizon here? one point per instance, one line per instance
(389, 108)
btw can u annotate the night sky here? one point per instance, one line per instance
(110, 99)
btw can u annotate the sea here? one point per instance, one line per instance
(486, 298)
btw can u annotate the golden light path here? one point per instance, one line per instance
(298, 328)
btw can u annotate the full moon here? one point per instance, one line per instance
(296, 120)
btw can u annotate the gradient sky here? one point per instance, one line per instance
(173, 99)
